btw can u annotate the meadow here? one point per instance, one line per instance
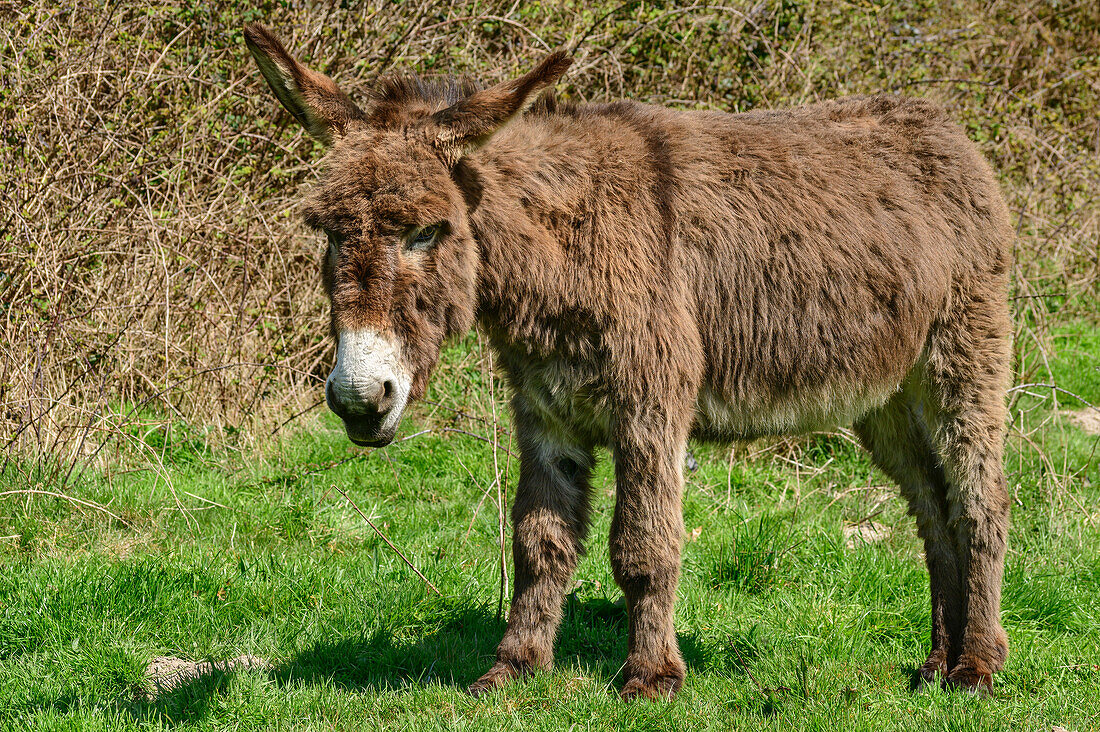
(171, 486)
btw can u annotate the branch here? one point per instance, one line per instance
(386, 539)
(78, 501)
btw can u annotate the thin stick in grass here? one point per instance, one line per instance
(378, 531)
(70, 499)
(503, 590)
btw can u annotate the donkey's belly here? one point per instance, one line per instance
(571, 407)
(721, 419)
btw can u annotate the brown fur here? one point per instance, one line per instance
(647, 275)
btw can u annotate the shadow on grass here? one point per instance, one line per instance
(387, 659)
(592, 637)
(455, 654)
(916, 681)
(187, 703)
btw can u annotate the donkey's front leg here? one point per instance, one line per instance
(550, 521)
(646, 536)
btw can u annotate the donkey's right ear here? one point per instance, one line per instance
(313, 98)
(468, 124)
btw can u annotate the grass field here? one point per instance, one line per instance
(803, 601)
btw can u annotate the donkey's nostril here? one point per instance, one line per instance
(364, 402)
(386, 395)
(338, 407)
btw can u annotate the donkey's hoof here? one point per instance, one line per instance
(933, 672)
(654, 686)
(499, 675)
(968, 679)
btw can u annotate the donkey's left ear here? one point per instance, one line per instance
(469, 124)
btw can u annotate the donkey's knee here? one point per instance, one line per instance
(544, 545)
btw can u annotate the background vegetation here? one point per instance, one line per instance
(167, 477)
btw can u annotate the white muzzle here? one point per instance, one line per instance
(369, 386)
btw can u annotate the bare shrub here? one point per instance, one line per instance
(157, 292)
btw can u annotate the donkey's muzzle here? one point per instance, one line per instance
(368, 422)
(368, 388)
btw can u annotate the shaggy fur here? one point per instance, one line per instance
(649, 275)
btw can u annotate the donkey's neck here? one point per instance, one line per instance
(532, 211)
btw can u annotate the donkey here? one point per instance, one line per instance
(646, 276)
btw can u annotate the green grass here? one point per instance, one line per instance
(1077, 368)
(782, 620)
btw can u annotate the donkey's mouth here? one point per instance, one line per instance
(369, 433)
(371, 443)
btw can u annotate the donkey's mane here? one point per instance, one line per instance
(441, 90)
(434, 90)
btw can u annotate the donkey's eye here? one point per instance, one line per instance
(424, 238)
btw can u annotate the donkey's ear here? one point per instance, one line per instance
(313, 98)
(470, 123)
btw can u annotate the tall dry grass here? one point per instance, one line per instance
(154, 277)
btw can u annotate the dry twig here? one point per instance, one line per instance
(386, 539)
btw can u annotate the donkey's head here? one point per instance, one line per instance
(401, 266)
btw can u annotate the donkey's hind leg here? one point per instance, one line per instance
(549, 524)
(900, 446)
(967, 372)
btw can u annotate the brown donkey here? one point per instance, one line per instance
(648, 275)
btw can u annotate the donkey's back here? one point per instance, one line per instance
(817, 250)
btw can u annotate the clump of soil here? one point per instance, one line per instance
(168, 673)
(867, 532)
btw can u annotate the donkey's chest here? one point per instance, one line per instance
(566, 396)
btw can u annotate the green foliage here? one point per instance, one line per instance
(1077, 368)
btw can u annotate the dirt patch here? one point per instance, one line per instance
(1088, 420)
(167, 673)
(867, 532)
